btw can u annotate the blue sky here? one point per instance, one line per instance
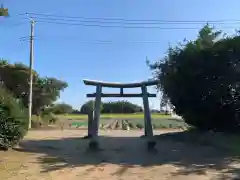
(72, 53)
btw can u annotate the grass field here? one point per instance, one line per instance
(114, 116)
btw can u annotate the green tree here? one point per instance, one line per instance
(4, 11)
(201, 78)
(120, 107)
(45, 92)
(15, 78)
(112, 107)
(62, 108)
(76, 111)
(88, 107)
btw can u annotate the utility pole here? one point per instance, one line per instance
(32, 22)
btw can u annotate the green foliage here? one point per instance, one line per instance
(164, 103)
(139, 126)
(120, 107)
(15, 78)
(13, 120)
(131, 125)
(61, 108)
(37, 121)
(88, 107)
(4, 12)
(201, 78)
(112, 107)
(76, 111)
(49, 118)
(46, 111)
(46, 91)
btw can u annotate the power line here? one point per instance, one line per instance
(127, 27)
(121, 26)
(93, 41)
(27, 38)
(96, 21)
(99, 41)
(100, 22)
(115, 26)
(132, 20)
(126, 24)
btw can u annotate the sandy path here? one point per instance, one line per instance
(61, 155)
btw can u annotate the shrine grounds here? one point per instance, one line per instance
(62, 154)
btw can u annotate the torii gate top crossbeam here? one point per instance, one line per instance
(120, 85)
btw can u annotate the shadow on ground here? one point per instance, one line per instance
(190, 156)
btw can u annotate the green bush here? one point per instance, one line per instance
(37, 121)
(120, 107)
(131, 125)
(139, 126)
(49, 118)
(37, 124)
(13, 120)
(201, 80)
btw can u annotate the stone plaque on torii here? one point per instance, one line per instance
(94, 125)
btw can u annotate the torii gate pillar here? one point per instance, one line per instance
(147, 114)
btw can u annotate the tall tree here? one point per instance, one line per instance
(60, 108)
(46, 91)
(201, 78)
(88, 107)
(15, 78)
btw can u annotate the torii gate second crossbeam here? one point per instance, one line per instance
(98, 95)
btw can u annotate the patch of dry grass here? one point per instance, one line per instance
(11, 163)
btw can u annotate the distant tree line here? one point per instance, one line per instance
(107, 107)
(112, 107)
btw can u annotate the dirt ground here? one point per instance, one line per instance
(62, 155)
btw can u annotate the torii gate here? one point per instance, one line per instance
(94, 126)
